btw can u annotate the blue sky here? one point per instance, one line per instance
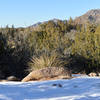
(27, 12)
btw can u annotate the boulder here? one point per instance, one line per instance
(4, 81)
(48, 72)
(92, 74)
(99, 74)
(12, 78)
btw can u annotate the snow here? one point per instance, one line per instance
(78, 88)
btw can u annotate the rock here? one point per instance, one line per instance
(99, 74)
(48, 72)
(58, 85)
(12, 78)
(4, 81)
(92, 74)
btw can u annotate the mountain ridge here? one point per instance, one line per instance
(92, 16)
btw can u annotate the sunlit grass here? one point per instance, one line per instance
(45, 60)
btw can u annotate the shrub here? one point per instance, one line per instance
(87, 45)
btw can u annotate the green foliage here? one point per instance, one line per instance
(87, 45)
(65, 38)
(2, 44)
(18, 45)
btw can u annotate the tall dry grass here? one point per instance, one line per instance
(45, 60)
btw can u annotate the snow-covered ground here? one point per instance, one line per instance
(80, 88)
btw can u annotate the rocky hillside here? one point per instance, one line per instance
(92, 16)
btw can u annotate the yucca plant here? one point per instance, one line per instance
(45, 60)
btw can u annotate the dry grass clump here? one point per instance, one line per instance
(45, 60)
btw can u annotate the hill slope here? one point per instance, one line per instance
(92, 16)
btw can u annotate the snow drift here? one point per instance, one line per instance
(81, 88)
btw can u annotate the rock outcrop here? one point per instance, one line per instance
(48, 72)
